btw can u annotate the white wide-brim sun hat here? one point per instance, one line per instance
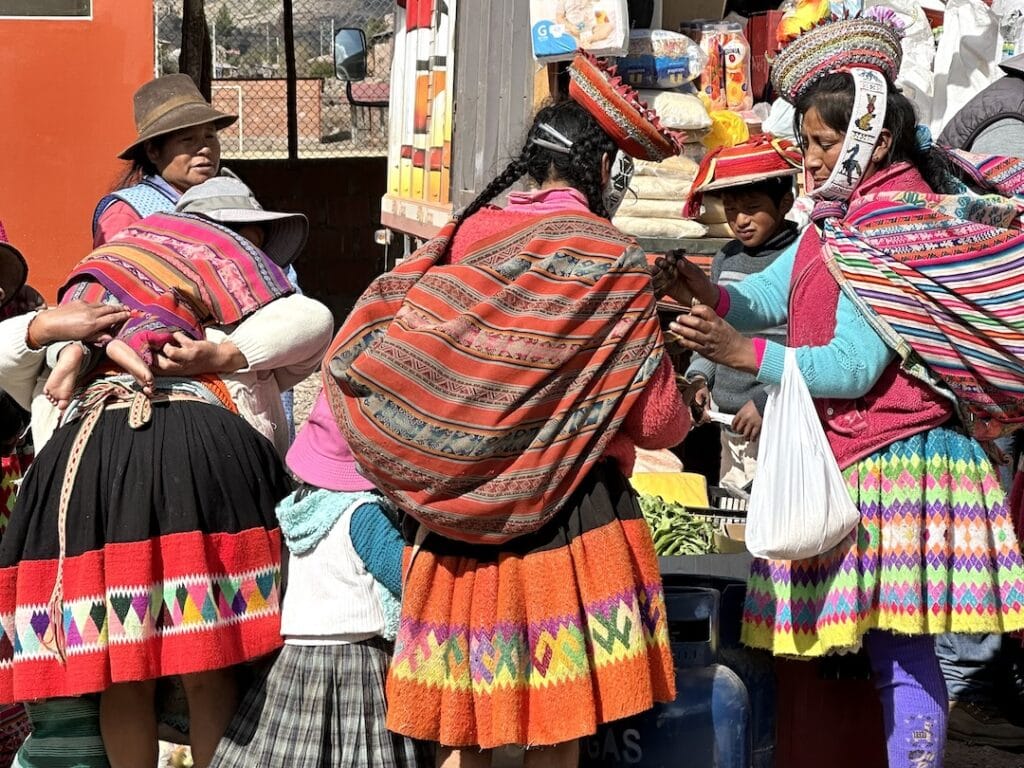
(229, 201)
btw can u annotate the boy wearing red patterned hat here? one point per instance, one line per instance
(755, 184)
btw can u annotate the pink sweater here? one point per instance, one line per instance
(119, 215)
(659, 419)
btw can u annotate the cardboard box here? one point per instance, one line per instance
(764, 46)
(674, 12)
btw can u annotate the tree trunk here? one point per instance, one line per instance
(196, 58)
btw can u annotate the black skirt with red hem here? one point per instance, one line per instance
(172, 561)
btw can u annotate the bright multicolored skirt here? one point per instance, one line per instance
(935, 552)
(539, 641)
(172, 557)
(14, 723)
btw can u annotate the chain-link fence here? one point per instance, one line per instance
(335, 117)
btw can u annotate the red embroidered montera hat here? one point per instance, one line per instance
(634, 127)
(762, 157)
(871, 41)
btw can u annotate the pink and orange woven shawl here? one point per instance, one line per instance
(477, 395)
(183, 272)
(941, 278)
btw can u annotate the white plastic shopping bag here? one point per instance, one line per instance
(799, 506)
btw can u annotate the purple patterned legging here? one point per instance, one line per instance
(913, 695)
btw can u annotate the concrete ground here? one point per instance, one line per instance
(959, 755)
(305, 395)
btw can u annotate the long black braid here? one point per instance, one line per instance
(581, 168)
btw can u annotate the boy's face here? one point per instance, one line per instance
(753, 216)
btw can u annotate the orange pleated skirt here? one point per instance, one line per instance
(539, 641)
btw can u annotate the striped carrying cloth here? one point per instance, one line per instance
(941, 278)
(179, 272)
(477, 395)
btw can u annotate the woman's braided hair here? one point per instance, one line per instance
(581, 168)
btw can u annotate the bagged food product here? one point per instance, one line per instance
(660, 188)
(712, 79)
(695, 150)
(678, 166)
(659, 228)
(736, 55)
(639, 208)
(658, 58)
(562, 27)
(712, 210)
(679, 111)
(727, 130)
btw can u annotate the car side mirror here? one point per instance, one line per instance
(350, 54)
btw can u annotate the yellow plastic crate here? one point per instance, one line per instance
(687, 488)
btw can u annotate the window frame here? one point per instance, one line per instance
(87, 16)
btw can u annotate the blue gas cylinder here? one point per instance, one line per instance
(708, 724)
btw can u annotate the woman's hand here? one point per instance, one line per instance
(188, 357)
(76, 321)
(675, 276)
(705, 332)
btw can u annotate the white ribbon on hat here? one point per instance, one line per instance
(871, 96)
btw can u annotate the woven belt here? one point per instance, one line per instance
(94, 401)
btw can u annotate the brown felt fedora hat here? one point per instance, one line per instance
(168, 104)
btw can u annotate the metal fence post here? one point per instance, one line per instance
(292, 87)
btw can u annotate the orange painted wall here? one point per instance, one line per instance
(65, 112)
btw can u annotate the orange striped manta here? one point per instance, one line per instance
(477, 395)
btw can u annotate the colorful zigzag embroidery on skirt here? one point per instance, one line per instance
(135, 615)
(538, 654)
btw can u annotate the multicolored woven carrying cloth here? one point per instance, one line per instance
(940, 278)
(179, 272)
(553, 330)
(477, 395)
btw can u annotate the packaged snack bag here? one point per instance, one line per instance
(562, 27)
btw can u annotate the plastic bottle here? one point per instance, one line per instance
(712, 79)
(736, 53)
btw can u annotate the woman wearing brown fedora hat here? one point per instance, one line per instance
(176, 148)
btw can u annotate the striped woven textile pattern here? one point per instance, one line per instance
(183, 271)
(945, 273)
(476, 395)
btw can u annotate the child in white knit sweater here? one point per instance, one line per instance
(321, 705)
